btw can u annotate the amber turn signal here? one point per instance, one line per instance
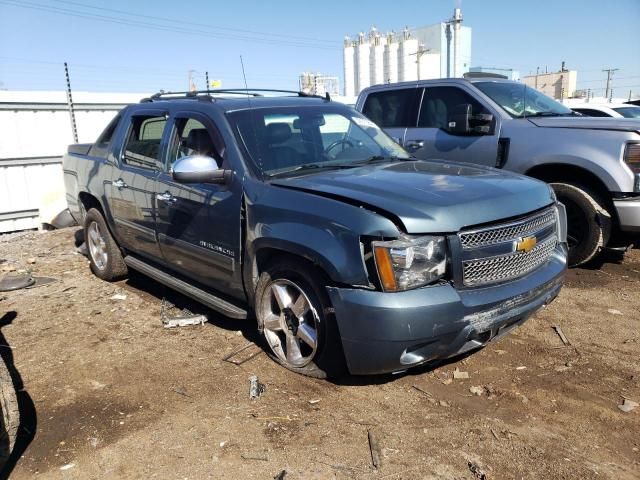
(385, 269)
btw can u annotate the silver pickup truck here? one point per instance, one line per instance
(592, 163)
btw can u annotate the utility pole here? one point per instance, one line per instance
(72, 115)
(537, 73)
(609, 75)
(421, 51)
(206, 76)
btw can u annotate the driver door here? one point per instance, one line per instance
(198, 225)
(429, 139)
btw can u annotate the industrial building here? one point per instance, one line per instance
(558, 85)
(319, 84)
(437, 51)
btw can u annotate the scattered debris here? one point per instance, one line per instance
(447, 381)
(495, 434)
(230, 357)
(521, 367)
(119, 296)
(314, 401)
(223, 443)
(500, 352)
(421, 390)
(181, 391)
(255, 387)
(260, 457)
(280, 476)
(613, 311)
(477, 472)
(627, 405)
(459, 375)
(561, 334)
(18, 281)
(444, 403)
(31, 260)
(67, 466)
(184, 321)
(479, 391)
(374, 448)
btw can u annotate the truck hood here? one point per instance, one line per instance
(619, 124)
(429, 196)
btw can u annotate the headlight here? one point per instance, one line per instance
(410, 262)
(632, 157)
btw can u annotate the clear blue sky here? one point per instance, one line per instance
(143, 46)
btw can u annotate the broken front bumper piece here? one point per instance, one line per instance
(388, 332)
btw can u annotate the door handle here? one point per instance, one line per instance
(119, 184)
(414, 145)
(166, 197)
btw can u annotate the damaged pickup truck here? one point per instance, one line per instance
(302, 213)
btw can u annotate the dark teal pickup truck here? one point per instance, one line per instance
(301, 213)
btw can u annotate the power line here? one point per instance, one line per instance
(159, 27)
(191, 23)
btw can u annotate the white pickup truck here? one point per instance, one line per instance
(593, 164)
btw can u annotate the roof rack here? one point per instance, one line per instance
(207, 95)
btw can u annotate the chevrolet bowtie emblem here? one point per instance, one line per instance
(525, 244)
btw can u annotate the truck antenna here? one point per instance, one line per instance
(253, 123)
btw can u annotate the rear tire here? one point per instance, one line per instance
(294, 313)
(588, 222)
(105, 257)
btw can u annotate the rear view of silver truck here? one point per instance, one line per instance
(593, 164)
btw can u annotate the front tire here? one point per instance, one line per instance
(105, 257)
(588, 222)
(294, 314)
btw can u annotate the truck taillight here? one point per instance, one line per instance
(632, 156)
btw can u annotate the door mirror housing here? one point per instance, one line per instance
(462, 122)
(199, 169)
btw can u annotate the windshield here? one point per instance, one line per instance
(284, 140)
(520, 101)
(629, 112)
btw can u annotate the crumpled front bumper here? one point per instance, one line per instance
(386, 332)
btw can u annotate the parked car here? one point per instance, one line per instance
(615, 110)
(304, 213)
(593, 164)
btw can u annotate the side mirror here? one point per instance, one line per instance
(199, 169)
(461, 122)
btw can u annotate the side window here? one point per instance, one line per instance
(191, 137)
(391, 108)
(438, 103)
(142, 148)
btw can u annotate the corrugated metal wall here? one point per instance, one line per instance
(33, 137)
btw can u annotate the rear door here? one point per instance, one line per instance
(133, 184)
(393, 110)
(198, 225)
(428, 139)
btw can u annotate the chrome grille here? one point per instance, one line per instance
(500, 233)
(507, 267)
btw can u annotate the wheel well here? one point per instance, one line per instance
(88, 201)
(573, 175)
(268, 255)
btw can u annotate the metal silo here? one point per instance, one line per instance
(362, 63)
(391, 59)
(349, 69)
(376, 60)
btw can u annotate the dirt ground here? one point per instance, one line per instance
(109, 393)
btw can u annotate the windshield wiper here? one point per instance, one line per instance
(544, 114)
(310, 166)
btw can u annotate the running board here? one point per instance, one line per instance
(185, 288)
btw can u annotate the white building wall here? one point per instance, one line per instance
(407, 60)
(35, 130)
(363, 67)
(349, 69)
(391, 62)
